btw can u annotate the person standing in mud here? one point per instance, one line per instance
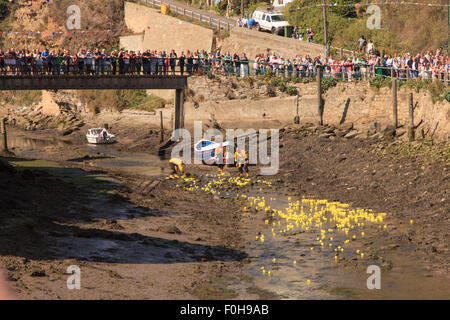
(241, 160)
(219, 152)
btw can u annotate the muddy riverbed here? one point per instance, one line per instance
(137, 235)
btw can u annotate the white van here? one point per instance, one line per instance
(269, 20)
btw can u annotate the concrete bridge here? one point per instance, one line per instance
(102, 82)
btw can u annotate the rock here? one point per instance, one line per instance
(325, 135)
(351, 135)
(169, 229)
(389, 132)
(375, 126)
(346, 126)
(38, 273)
(67, 132)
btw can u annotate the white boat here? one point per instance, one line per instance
(205, 150)
(99, 136)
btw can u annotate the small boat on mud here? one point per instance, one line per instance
(205, 150)
(99, 136)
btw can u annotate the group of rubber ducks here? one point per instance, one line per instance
(335, 223)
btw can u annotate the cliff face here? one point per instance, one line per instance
(50, 18)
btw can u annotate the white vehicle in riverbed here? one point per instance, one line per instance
(269, 20)
(99, 136)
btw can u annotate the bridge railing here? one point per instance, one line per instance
(205, 66)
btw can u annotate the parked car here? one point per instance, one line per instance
(269, 20)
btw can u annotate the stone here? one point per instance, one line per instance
(351, 135)
(169, 229)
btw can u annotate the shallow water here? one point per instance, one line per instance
(102, 156)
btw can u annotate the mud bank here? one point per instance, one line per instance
(129, 228)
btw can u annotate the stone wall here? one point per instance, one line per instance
(252, 42)
(345, 103)
(162, 32)
(49, 106)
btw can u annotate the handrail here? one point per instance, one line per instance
(202, 17)
(166, 66)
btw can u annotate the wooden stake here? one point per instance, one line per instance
(162, 127)
(4, 136)
(394, 101)
(319, 95)
(411, 134)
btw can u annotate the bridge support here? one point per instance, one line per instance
(179, 109)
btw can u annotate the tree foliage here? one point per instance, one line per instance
(338, 18)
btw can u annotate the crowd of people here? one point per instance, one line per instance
(428, 65)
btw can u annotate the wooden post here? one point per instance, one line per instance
(392, 72)
(341, 53)
(297, 117)
(394, 101)
(411, 118)
(162, 127)
(319, 95)
(219, 24)
(407, 73)
(4, 136)
(179, 109)
(106, 126)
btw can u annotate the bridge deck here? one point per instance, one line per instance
(85, 82)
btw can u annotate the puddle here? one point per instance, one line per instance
(117, 247)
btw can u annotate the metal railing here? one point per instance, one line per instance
(202, 17)
(165, 66)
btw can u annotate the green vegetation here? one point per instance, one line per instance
(436, 90)
(447, 96)
(328, 83)
(379, 82)
(398, 33)
(20, 98)
(291, 90)
(413, 84)
(119, 100)
(256, 5)
(425, 151)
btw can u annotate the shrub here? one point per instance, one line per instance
(447, 96)
(275, 81)
(291, 90)
(271, 91)
(328, 83)
(379, 82)
(436, 90)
